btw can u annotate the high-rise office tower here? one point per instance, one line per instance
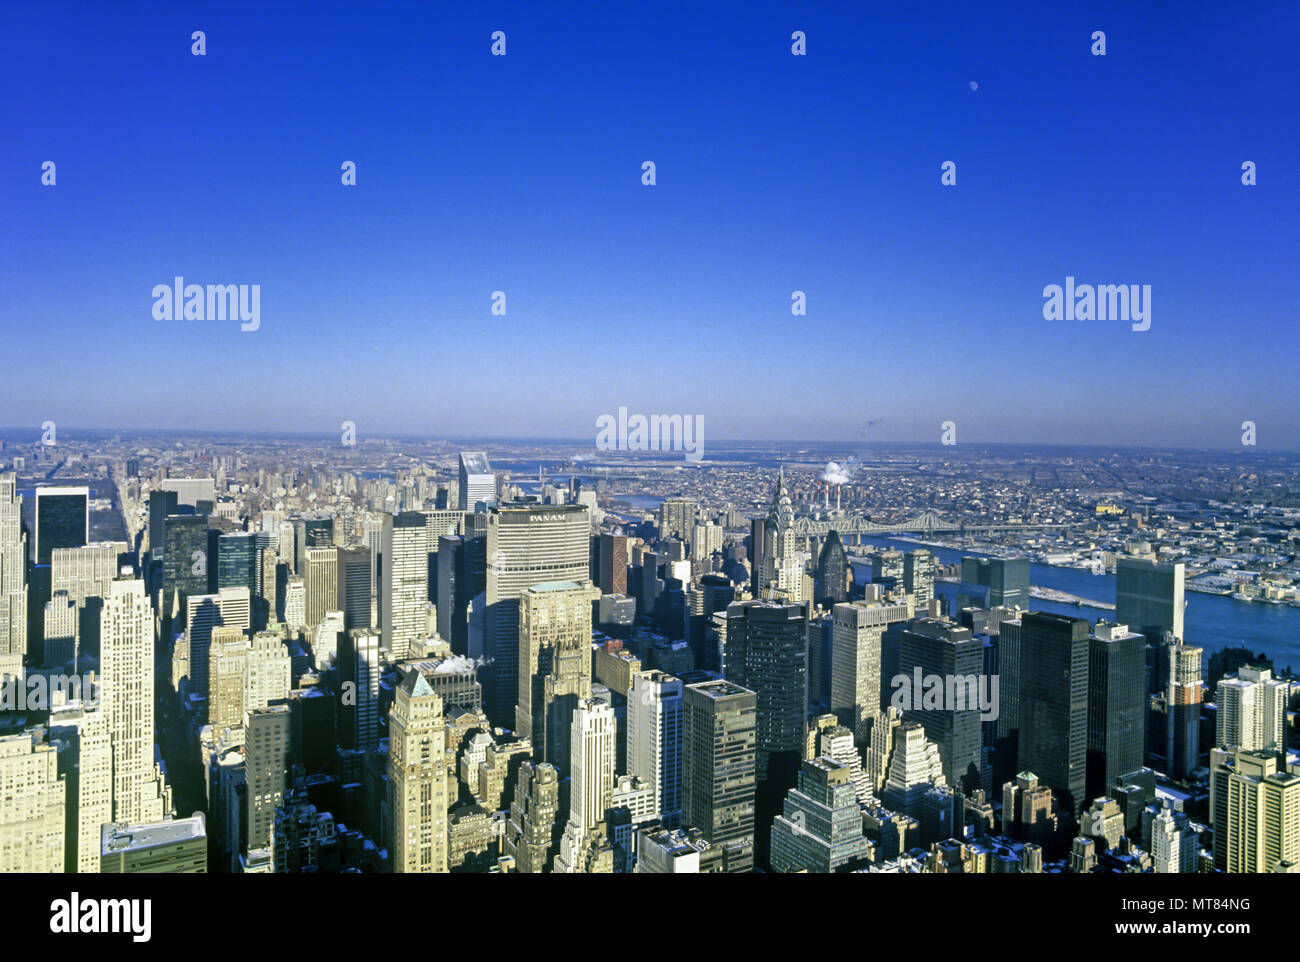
(526, 545)
(177, 846)
(1117, 706)
(887, 567)
(84, 574)
(713, 594)
(1008, 723)
(478, 485)
(32, 816)
(554, 664)
(270, 576)
(532, 836)
(654, 740)
(1183, 698)
(1054, 704)
(1027, 810)
(313, 531)
(229, 607)
(358, 660)
(270, 668)
(62, 519)
(295, 603)
(228, 674)
(161, 504)
(237, 562)
(820, 828)
(417, 778)
(932, 648)
(1149, 597)
(718, 767)
(611, 566)
(185, 560)
(858, 631)
(677, 519)
(994, 583)
(462, 575)
(191, 492)
(706, 541)
(832, 572)
(918, 576)
(915, 767)
(1251, 711)
(321, 580)
(266, 761)
(767, 653)
(782, 577)
(61, 631)
(1175, 843)
(13, 578)
(1256, 812)
(591, 763)
(405, 574)
(126, 661)
(86, 756)
(757, 549)
(354, 588)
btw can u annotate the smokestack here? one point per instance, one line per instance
(839, 488)
(828, 495)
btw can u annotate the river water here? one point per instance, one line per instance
(1212, 622)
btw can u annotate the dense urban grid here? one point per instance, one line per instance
(288, 655)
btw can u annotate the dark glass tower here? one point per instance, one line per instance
(1116, 706)
(832, 572)
(62, 520)
(1054, 704)
(993, 582)
(932, 647)
(185, 559)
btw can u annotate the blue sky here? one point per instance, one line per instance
(775, 173)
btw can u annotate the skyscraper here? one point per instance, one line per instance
(1149, 597)
(918, 576)
(1054, 704)
(354, 588)
(554, 664)
(857, 638)
(13, 579)
(417, 778)
(358, 659)
(783, 564)
(478, 485)
(611, 566)
(832, 572)
(820, 829)
(62, 519)
(1183, 697)
(237, 562)
(654, 739)
(718, 767)
(266, 754)
(321, 579)
(1251, 711)
(677, 519)
(1256, 812)
(126, 660)
(405, 574)
(1116, 706)
(532, 834)
(526, 545)
(591, 783)
(933, 648)
(767, 653)
(994, 583)
(32, 822)
(185, 560)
